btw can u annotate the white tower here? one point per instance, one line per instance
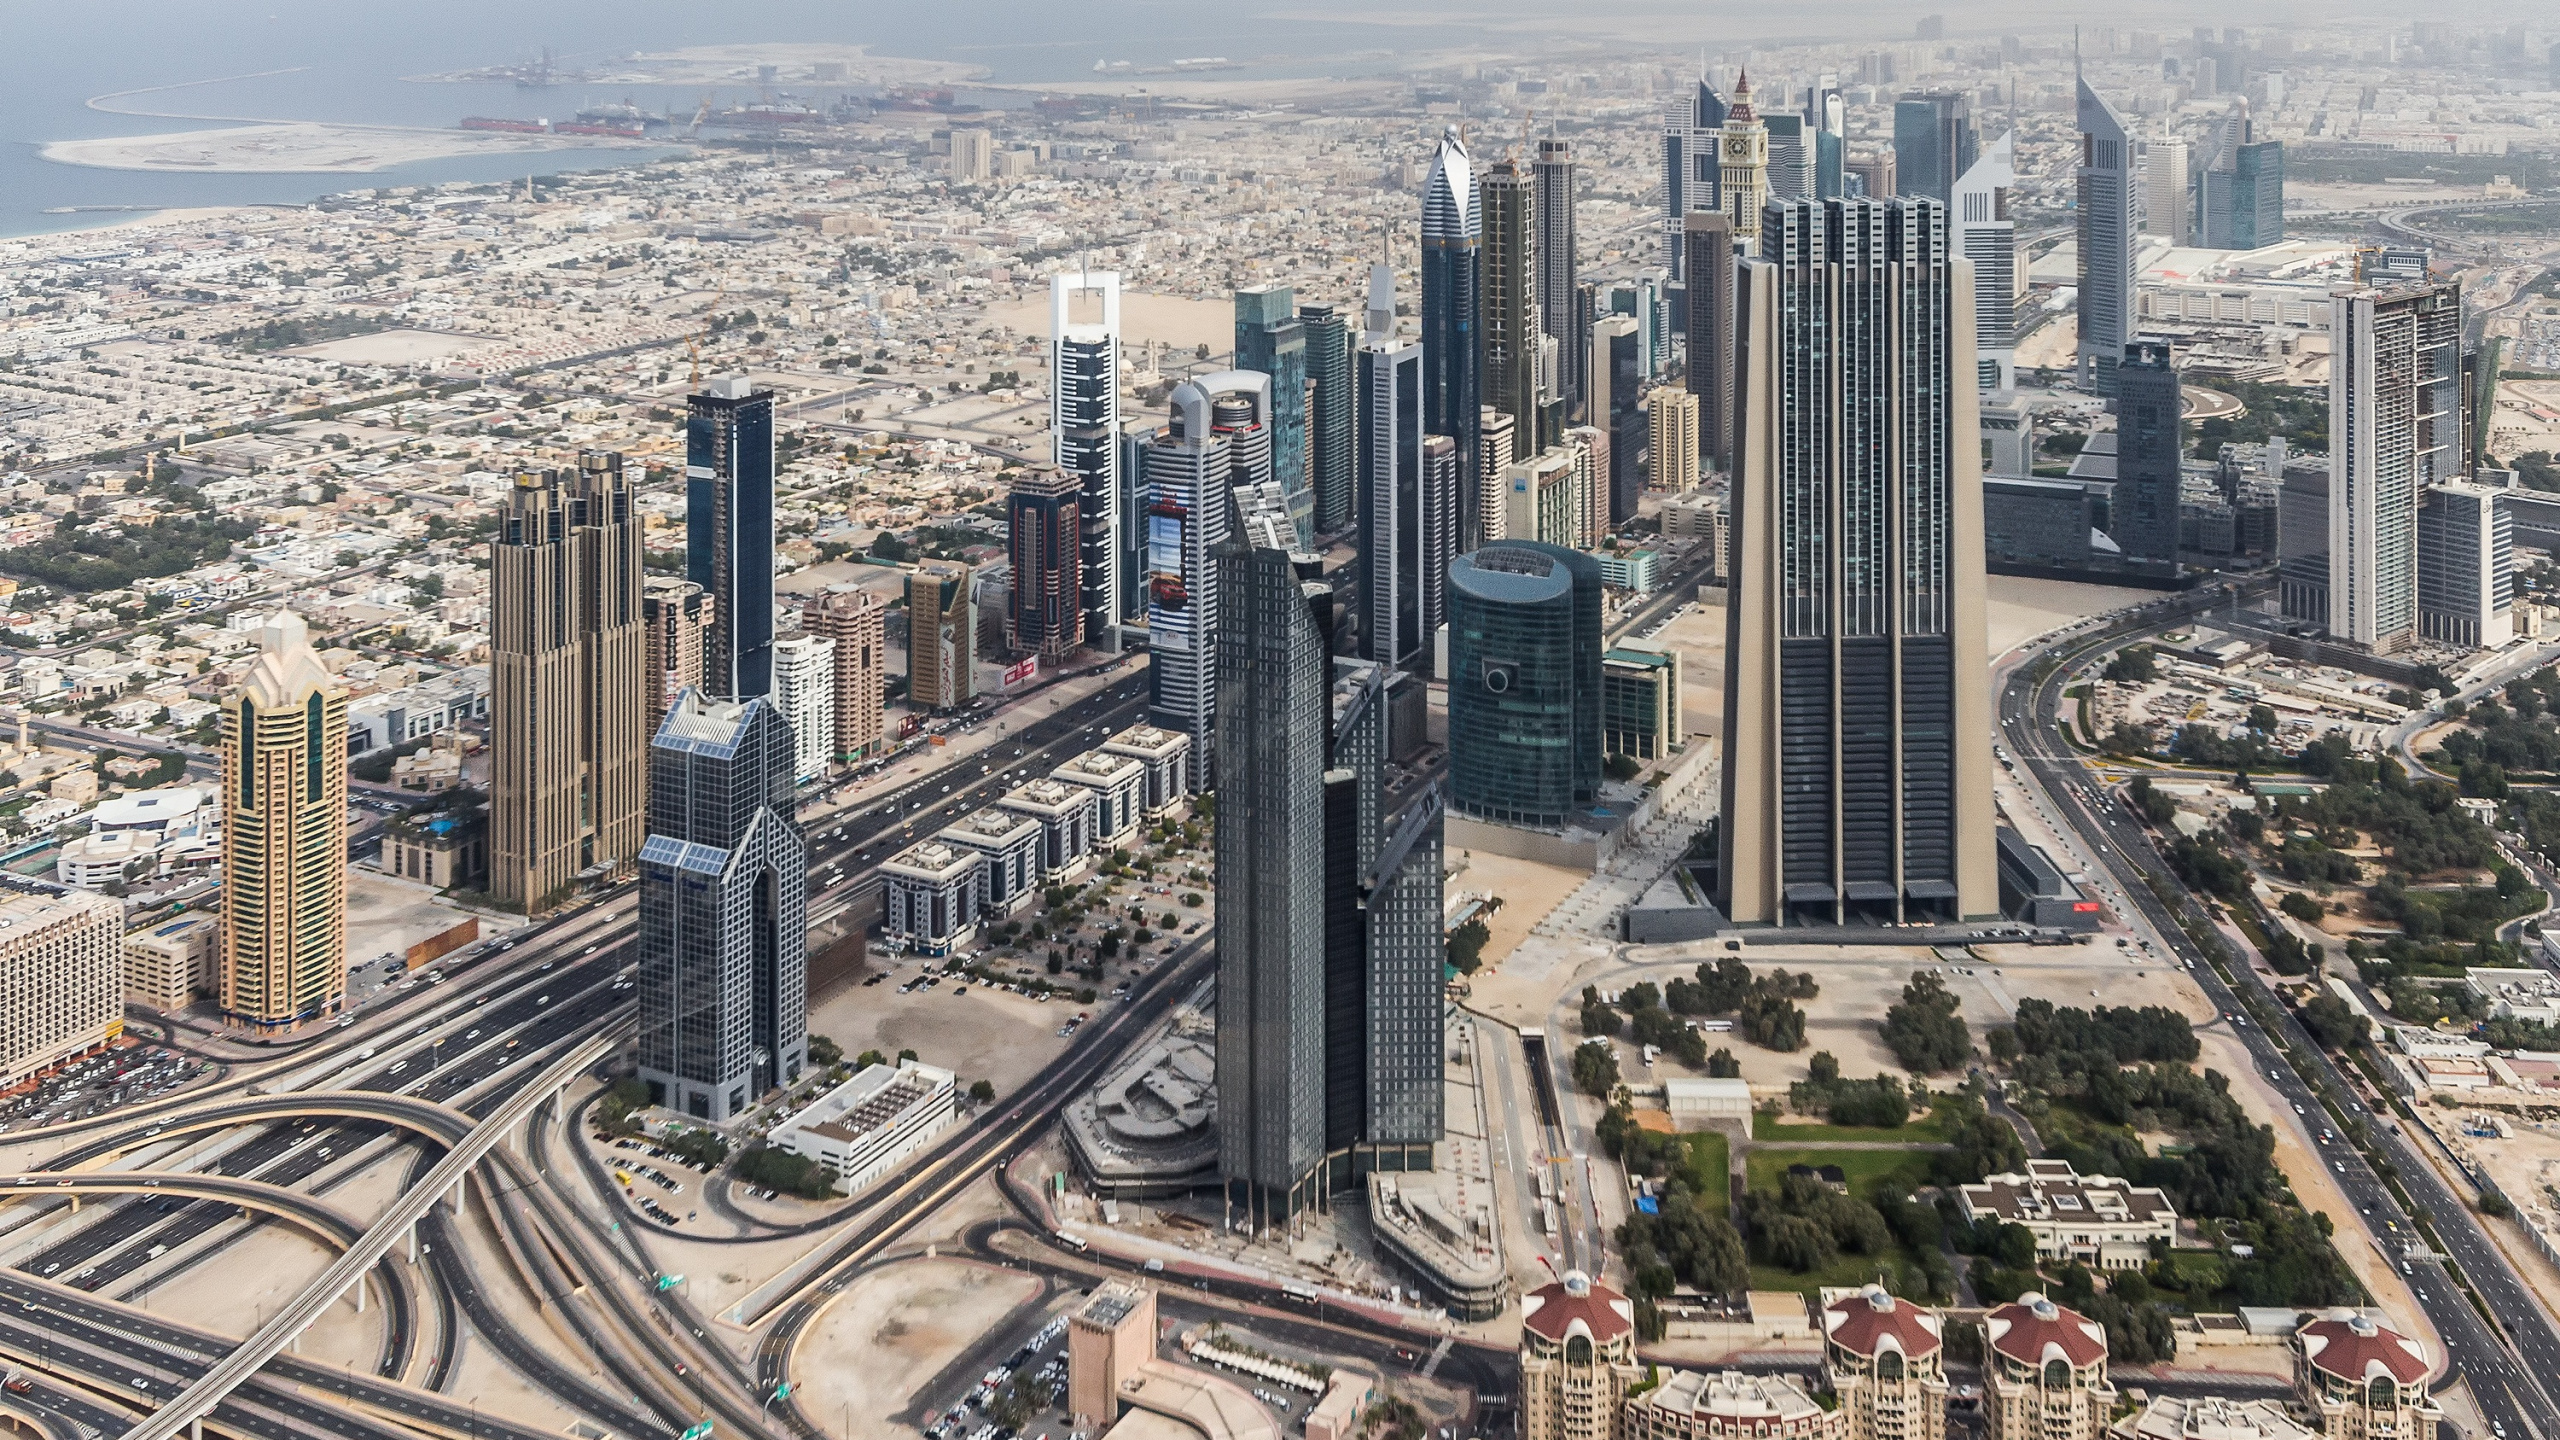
(1084, 431)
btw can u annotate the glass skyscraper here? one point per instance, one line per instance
(1857, 722)
(728, 532)
(724, 933)
(1271, 339)
(2110, 224)
(1406, 522)
(1085, 442)
(2395, 427)
(1933, 143)
(1216, 439)
(1524, 683)
(1332, 440)
(1452, 281)
(2150, 450)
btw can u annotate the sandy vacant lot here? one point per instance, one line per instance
(2021, 608)
(893, 1330)
(1170, 320)
(306, 147)
(396, 347)
(982, 1034)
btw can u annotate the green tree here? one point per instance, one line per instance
(1595, 1067)
(1923, 1031)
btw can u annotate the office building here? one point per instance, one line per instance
(1407, 519)
(2150, 449)
(1640, 300)
(1271, 339)
(1933, 143)
(2236, 195)
(929, 897)
(856, 620)
(1857, 727)
(569, 682)
(1216, 439)
(2395, 427)
(1886, 1359)
(1577, 1359)
(675, 619)
(859, 1131)
(1510, 315)
(1524, 683)
(1742, 162)
(1790, 170)
(942, 636)
(2101, 1221)
(1615, 404)
(728, 532)
(1495, 451)
(1556, 280)
(2302, 543)
(722, 977)
(1008, 843)
(2109, 223)
(1543, 500)
(2164, 194)
(1119, 786)
(1085, 441)
(1671, 439)
(1711, 335)
(1692, 144)
(1045, 530)
(1453, 394)
(1111, 1345)
(1640, 700)
(1726, 1405)
(972, 154)
(1869, 175)
(284, 836)
(1333, 406)
(2357, 1379)
(172, 964)
(62, 978)
(1587, 450)
(1826, 127)
(804, 690)
(1985, 235)
(2466, 563)
(2045, 1376)
(1166, 754)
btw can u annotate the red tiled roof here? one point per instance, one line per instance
(1865, 1322)
(2033, 1329)
(1551, 1309)
(2352, 1348)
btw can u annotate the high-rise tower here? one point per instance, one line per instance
(1332, 417)
(569, 686)
(284, 836)
(724, 932)
(2110, 224)
(1406, 523)
(1933, 143)
(1742, 162)
(1216, 438)
(1452, 292)
(676, 616)
(1042, 511)
(1557, 278)
(1524, 683)
(1711, 333)
(1857, 723)
(1270, 338)
(1511, 329)
(1084, 437)
(1691, 140)
(2395, 427)
(2150, 455)
(1985, 235)
(942, 636)
(2164, 199)
(856, 620)
(728, 531)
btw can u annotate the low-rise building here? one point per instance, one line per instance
(1065, 813)
(1712, 1098)
(1694, 1405)
(929, 897)
(862, 1128)
(1167, 756)
(2210, 1417)
(444, 849)
(1119, 785)
(2099, 1220)
(1009, 843)
(2361, 1380)
(1577, 1359)
(61, 978)
(1110, 1337)
(1640, 700)
(169, 965)
(2532, 996)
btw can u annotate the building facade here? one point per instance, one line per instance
(1217, 438)
(804, 690)
(62, 978)
(1671, 439)
(2109, 218)
(570, 684)
(2466, 565)
(1742, 162)
(942, 636)
(1333, 405)
(2395, 427)
(857, 621)
(284, 836)
(2360, 1380)
(1728, 1405)
(1640, 700)
(1084, 438)
(1985, 235)
(2045, 1376)
(1271, 340)
(1511, 328)
(728, 532)
(675, 618)
(1613, 397)
(1933, 144)
(2150, 451)
(1577, 1359)
(929, 896)
(1711, 335)
(1043, 510)
(1452, 293)
(1886, 1359)
(1524, 683)
(724, 931)
(2096, 1220)
(1407, 515)
(1857, 721)
(1557, 277)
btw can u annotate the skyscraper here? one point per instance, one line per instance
(2164, 189)
(1790, 175)
(1617, 408)
(1692, 141)
(2110, 224)
(1987, 236)
(1216, 438)
(1857, 725)
(2466, 566)
(1826, 132)
(569, 686)
(1045, 528)
(855, 619)
(1742, 162)
(1557, 278)
(942, 636)
(1870, 175)
(284, 836)
(1406, 524)
(1671, 438)
(676, 617)
(1524, 683)
(1271, 339)
(1084, 435)
(2395, 427)
(1933, 143)
(1496, 448)
(1452, 293)
(1332, 407)
(724, 929)
(728, 531)
(804, 690)
(1711, 335)
(2150, 451)
(2237, 196)
(1510, 318)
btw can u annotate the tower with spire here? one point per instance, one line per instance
(1742, 165)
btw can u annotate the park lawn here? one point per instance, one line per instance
(1929, 1129)
(1844, 1270)
(1870, 1172)
(1710, 1164)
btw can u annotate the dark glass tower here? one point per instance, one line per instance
(728, 532)
(1524, 683)
(724, 931)
(1710, 328)
(1272, 340)
(1332, 460)
(1043, 512)
(1556, 280)
(1857, 716)
(2144, 515)
(1933, 143)
(1405, 519)
(1452, 280)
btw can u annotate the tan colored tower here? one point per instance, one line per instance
(853, 618)
(568, 695)
(941, 636)
(1742, 159)
(1671, 418)
(2045, 1377)
(284, 836)
(1577, 1359)
(1886, 1361)
(677, 614)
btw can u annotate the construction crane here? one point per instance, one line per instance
(701, 113)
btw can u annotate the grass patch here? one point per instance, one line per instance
(1710, 1164)
(1869, 1172)
(1929, 1129)
(1845, 1270)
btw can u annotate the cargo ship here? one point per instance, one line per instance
(511, 127)
(620, 129)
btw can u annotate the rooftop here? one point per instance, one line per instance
(1557, 1308)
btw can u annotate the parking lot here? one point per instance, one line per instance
(118, 1075)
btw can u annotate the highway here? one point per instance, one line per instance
(2504, 1380)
